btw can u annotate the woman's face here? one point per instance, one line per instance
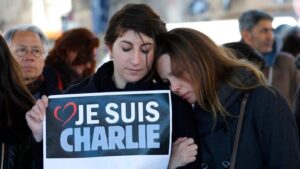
(178, 85)
(132, 55)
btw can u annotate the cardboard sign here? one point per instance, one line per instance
(108, 130)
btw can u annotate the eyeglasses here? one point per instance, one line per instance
(21, 52)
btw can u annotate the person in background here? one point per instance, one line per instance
(28, 46)
(72, 58)
(280, 70)
(131, 39)
(216, 83)
(15, 101)
(290, 36)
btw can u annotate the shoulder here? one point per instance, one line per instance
(269, 108)
(264, 96)
(285, 57)
(85, 86)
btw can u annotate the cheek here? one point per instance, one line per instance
(150, 59)
(41, 64)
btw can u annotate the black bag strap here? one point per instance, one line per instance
(238, 131)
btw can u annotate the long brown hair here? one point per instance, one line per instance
(15, 99)
(207, 65)
(79, 39)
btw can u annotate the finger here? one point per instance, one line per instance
(190, 159)
(45, 100)
(193, 147)
(31, 116)
(189, 141)
(41, 107)
(36, 111)
(180, 140)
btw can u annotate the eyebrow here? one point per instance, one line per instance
(143, 44)
(21, 45)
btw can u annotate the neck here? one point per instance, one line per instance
(119, 84)
(28, 81)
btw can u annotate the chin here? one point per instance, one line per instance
(134, 79)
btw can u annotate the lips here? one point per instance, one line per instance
(28, 68)
(134, 71)
(185, 96)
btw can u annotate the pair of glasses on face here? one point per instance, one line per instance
(36, 52)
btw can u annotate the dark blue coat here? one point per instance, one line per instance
(268, 140)
(183, 119)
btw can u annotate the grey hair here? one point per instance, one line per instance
(250, 18)
(10, 33)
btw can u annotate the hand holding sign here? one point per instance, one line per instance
(184, 151)
(35, 118)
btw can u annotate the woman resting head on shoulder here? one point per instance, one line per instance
(215, 81)
(131, 38)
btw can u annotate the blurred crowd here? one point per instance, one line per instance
(217, 78)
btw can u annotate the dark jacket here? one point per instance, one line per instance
(15, 150)
(268, 138)
(61, 76)
(22, 152)
(183, 119)
(296, 109)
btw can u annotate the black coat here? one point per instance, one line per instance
(24, 153)
(268, 138)
(183, 118)
(296, 110)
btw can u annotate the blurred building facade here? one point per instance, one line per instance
(56, 16)
(81, 13)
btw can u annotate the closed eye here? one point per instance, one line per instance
(126, 49)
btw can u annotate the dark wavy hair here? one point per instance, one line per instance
(78, 39)
(139, 18)
(15, 99)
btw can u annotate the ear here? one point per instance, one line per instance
(246, 36)
(109, 48)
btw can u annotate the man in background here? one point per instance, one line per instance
(280, 70)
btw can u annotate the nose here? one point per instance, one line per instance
(175, 87)
(136, 59)
(28, 55)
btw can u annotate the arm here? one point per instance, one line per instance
(184, 151)
(35, 118)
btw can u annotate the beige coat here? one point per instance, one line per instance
(283, 76)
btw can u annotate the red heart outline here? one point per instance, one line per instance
(56, 111)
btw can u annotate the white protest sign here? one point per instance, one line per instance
(113, 130)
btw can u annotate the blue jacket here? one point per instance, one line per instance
(268, 139)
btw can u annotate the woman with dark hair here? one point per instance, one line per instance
(242, 123)
(131, 39)
(72, 58)
(15, 101)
